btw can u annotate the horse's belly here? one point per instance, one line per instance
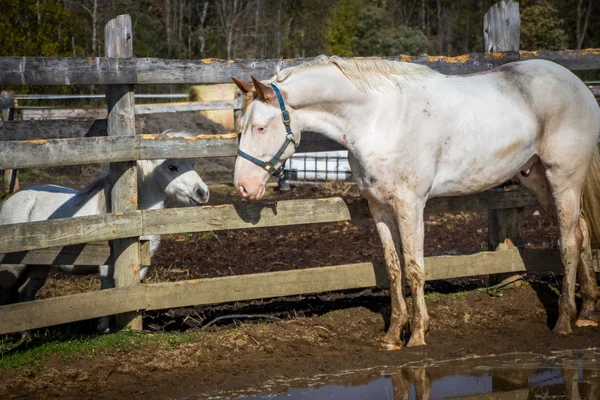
(473, 175)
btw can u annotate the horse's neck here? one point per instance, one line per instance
(149, 196)
(326, 102)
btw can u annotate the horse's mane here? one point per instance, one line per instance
(367, 74)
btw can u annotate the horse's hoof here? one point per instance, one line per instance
(391, 346)
(589, 315)
(562, 330)
(103, 325)
(416, 342)
(585, 322)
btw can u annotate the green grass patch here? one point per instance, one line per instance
(33, 353)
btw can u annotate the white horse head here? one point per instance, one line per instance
(172, 181)
(262, 136)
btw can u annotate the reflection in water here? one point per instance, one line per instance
(563, 375)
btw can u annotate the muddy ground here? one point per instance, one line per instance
(338, 334)
(298, 336)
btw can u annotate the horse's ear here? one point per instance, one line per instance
(265, 92)
(245, 87)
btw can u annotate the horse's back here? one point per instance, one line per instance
(39, 203)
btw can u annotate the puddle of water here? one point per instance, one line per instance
(517, 376)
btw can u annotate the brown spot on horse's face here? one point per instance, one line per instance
(508, 150)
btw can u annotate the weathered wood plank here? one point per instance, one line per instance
(142, 109)
(65, 232)
(55, 152)
(34, 114)
(42, 313)
(91, 254)
(98, 71)
(502, 27)
(7, 107)
(71, 308)
(447, 267)
(35, 235)
(123, 196)
(152, 147)
(261, 286)
(251, 215)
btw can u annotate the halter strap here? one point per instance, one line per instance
(270, 166)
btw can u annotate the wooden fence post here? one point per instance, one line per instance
(501, 32)
(502, 27)
(118, 38)
(11, 177)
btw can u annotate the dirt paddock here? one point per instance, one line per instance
(303, 335)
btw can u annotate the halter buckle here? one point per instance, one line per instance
(285, 116)
(268, 166)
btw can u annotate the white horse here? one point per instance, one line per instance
(415, 134)
(174, 182)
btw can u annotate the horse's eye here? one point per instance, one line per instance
(172, 168)
(260, 129)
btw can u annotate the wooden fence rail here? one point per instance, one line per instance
(44, 152)
(71, 231)
(104, 70)
(140, 109)
(74, 231)
(56, 152)
(77, 307)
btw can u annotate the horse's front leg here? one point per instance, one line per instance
(409, 216)
(390, 240)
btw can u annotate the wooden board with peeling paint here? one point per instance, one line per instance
(104, 70)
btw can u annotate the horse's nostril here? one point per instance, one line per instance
(243, 191)
(201, 193)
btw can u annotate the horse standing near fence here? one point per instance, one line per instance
(415, 134)
(160, 182)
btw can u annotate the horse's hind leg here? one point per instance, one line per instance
(388, 232)
(537, 182)
(589, 314)
(567, 189)
(36, 276)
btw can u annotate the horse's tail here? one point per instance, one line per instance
(590, 200)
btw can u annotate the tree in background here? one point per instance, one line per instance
(341, 28)
(376, 34)
(286, 28)
(542, 28)
(34, 28)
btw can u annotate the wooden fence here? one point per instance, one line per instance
(64, 142)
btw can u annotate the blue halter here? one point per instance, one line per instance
(270, 166)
